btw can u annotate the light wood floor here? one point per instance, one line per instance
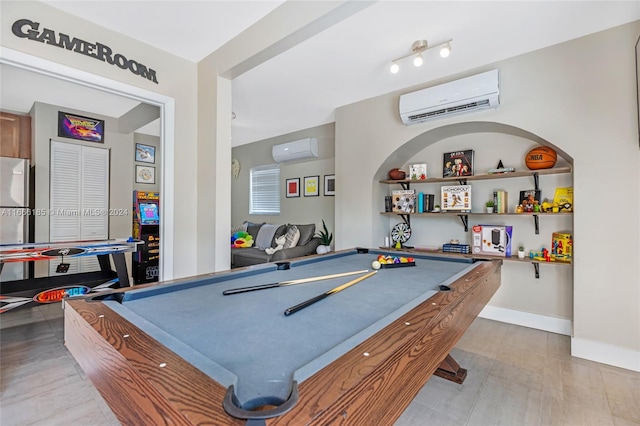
(517, 376)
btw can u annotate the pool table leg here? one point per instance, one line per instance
(449, 369)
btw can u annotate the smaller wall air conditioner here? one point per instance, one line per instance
(296, 150)
(469, 94)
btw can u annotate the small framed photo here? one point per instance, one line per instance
(329, 185)
(145, 153)
(293, 188)
(79, 127)
(418, 171)
(311, 186)
(145, 174)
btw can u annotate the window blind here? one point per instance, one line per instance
(264, 190)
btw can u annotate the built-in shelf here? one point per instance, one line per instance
(464, 216)
(438, 252)
(464, 179)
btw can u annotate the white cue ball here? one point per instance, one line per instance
(375, 264)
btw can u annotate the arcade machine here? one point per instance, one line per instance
(146, 227)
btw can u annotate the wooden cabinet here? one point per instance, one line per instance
(15, 135)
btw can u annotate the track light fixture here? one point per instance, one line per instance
(417, 48)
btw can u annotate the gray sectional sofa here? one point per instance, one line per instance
(248, 256)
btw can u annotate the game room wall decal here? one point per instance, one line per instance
(26, 28)
(82, 128)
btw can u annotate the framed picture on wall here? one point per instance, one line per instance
(311, 186)
(145, 153)
(78, 127)
(145, 174)
(329, 185)
(293, 187)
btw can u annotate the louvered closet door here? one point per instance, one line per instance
(79, 199)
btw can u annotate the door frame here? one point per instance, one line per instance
(167, 132)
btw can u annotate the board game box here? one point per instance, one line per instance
(404, 201)
(455, 198)
(561, 245)
(458, 163)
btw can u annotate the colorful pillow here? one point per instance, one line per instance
(292, 236)
(241, 239)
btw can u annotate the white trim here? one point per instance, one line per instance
(167, 131)
(606, 353)
(526, 319)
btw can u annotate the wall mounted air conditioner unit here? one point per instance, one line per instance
(296, 150)
(468, 94)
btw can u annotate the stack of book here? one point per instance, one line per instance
(425, 203)
(456, 248)
(500, 201)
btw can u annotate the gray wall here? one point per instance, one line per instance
(300, 210)
(580, 96)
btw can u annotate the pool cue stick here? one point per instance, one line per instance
(311, 301)
(291, 282)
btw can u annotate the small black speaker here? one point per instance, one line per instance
(495, 237)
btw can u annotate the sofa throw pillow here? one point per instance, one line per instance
(306, 233)
(292, 237)
(265, 236)
(282, 229)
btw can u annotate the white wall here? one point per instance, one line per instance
(151, 141)
(176, 79)
(581, 97)
(298, 210)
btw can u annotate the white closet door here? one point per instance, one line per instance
(79, 199)
(94, 200)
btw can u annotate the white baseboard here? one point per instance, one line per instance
(526, 319)
(581, 348)
(605, 353)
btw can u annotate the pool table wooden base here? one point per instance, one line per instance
(355, 389)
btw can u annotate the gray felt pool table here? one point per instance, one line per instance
(181, 352)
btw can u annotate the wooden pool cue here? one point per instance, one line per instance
(311, 301)
(290, 282)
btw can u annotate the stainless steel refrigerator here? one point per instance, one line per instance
(14, 211)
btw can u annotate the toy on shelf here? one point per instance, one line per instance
(543, 255)
(561, 246)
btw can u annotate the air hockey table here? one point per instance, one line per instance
(26, 292)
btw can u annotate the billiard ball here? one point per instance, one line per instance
(375, 264)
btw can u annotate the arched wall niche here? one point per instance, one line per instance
(429, 137)
(432, 232)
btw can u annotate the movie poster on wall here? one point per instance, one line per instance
(82, 128)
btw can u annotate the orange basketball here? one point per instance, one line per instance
(541, 157)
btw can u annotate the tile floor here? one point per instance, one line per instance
(517, 376)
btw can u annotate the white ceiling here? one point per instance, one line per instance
(341, 65)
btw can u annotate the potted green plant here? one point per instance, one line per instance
(325, 239)
(436, 208)
(489, 206)
(520, 251)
